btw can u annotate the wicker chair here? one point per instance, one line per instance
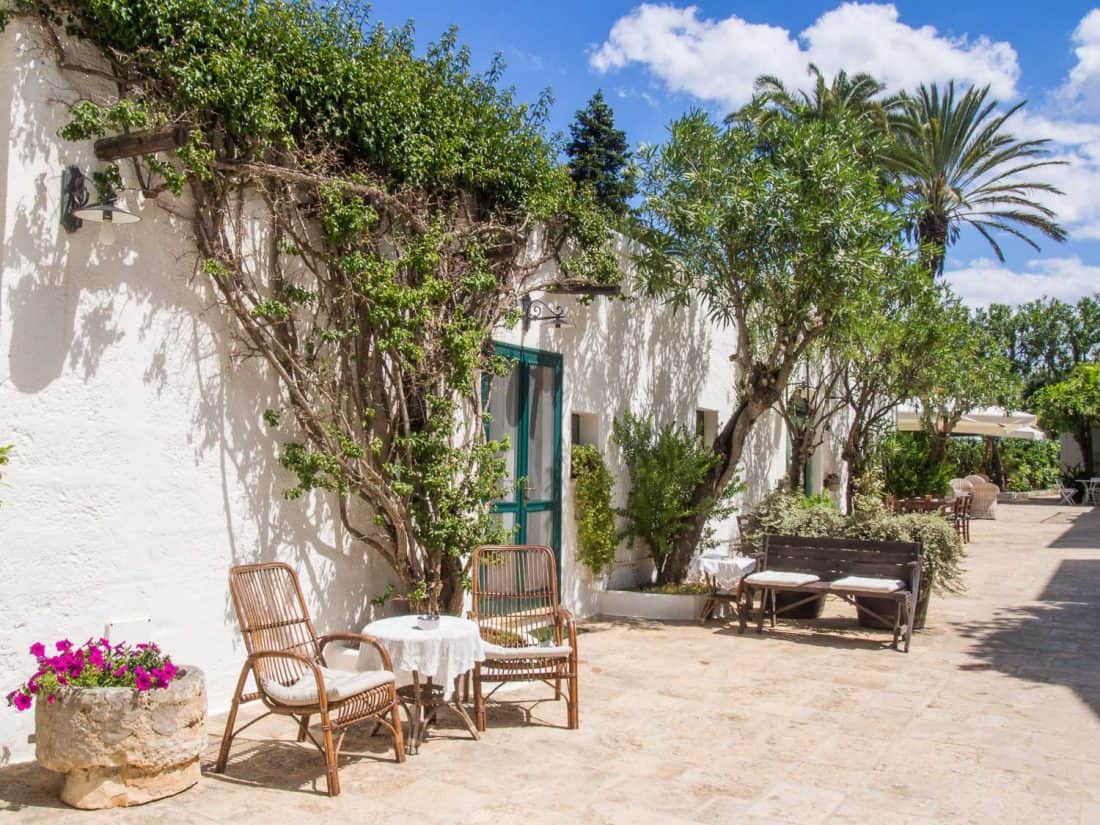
(287, 662)
(985, 495)
(958, 514)
(960, 487)
(528, 635)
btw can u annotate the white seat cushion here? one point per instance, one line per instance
(500, 652)
(339, 684)
(871, 584)
(781, 577)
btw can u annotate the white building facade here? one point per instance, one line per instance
(142, 470)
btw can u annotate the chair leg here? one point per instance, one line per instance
(479, 700)
(744, 609)
(398, 731)
(775, 607)
(557, 689)
(574, 708)
(227, 737)
(897, 623)
(763, 610)
(303, 728)
(332, 774)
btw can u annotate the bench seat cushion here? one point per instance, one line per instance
(781, 578)
(870, 584)
(501, 653)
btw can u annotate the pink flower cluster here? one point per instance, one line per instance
(93, 664)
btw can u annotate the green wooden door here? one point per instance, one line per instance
(525, 407)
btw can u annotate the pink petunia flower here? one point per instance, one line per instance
(21, 700)
(38, 650)
(142, 680)
(64, 646)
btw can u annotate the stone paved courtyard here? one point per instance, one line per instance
(993, 717)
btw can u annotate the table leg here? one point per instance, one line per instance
(415, 717)
(461, 711)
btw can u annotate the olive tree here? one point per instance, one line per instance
(783, 231)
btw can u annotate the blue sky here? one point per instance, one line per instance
(654, 61)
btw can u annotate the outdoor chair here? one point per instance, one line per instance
(528, 635)
(985, 495)
(957, 514)
(1067, 494)
(286, 660)
(960, 487)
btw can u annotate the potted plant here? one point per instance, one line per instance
(125, 725)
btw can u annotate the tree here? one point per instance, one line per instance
(1073, 406)
(406, 203)
(782, 230)
(965, 370)
(858, 96)
(888, 359)
(961, 168)
(599, 157)
(808, 406)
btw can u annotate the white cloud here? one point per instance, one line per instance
(718, 60)
(1082, 87)
(1078, 144)
(983, 281)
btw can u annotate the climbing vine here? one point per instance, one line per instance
(365, 216)
(597, 537)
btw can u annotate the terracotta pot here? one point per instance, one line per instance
(119, 747)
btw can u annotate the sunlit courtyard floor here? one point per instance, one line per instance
(993, 717)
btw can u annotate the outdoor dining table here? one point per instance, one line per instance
(722, 573)
(436, 654)
(1091, 488)
(922, 505)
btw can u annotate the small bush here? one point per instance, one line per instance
(907, 469)
(665, 467)
(597, 538)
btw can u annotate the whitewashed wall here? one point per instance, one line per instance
(141, 468)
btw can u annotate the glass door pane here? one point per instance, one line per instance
(504, 410)
(541, 392)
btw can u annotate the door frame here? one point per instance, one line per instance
(518, 505)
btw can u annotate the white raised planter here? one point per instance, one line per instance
(119, 747)
(642, 605)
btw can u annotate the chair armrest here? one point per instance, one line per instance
(565, 618)
(387, 663)
(253, 658)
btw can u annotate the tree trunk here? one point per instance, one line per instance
(730, 445)
(996, 465)
(937, 447)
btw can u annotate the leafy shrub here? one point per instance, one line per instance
(1030, 465)
(665, 466)
(597, 537)
(907, 469)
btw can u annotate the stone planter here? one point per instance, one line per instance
(119, 747)
(661, 606)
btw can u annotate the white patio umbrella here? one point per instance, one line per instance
(993, 421)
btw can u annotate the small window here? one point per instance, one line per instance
(583, 428)
(706, 426)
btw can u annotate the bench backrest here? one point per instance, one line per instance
(834, 558)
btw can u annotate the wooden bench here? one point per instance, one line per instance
(847, 568)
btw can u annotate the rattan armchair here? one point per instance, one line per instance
(984, 495)
(528, 635)
(286, 659)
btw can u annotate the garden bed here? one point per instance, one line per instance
(679, 603)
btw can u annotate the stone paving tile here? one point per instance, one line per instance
(993, 717)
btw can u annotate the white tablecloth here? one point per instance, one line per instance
(442, 653)
(726, 570)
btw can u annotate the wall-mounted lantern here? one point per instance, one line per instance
(535, 310)
(75, 208)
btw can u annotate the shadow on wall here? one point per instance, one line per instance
(65, 294)
(1054, 642)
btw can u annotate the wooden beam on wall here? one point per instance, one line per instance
(164, 139)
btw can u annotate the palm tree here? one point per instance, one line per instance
(960, 167)
(855, 96)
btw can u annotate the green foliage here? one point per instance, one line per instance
(909, 469)
(409, 200)
(599, 157)
(597, 537)
(1069, 404)
(1031, 465)
(961, 167)
(783, 513)
(665, 467)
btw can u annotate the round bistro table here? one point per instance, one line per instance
(437, 654)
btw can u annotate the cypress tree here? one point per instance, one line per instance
(598, 155)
